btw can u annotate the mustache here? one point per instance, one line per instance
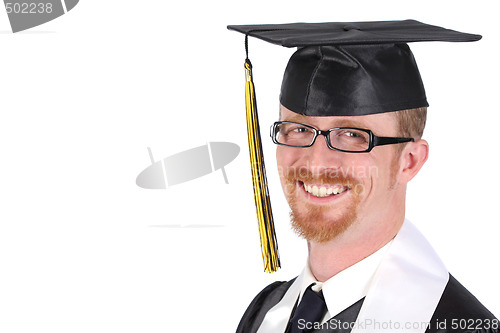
(332, 177)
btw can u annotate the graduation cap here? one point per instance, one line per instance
(339, 69)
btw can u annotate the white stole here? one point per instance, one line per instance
(403, 294)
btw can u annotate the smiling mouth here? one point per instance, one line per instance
(322, 191)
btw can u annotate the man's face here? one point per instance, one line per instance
(330, 192)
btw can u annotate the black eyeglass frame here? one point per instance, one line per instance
(373, 139)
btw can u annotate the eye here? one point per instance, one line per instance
(301, 129)
(352, 134)
(294, 129)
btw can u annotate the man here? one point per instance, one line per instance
(352, 115)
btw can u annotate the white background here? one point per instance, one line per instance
(83, 249)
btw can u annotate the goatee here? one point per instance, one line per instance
(321, 223)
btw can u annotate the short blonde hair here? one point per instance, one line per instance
(411, 122)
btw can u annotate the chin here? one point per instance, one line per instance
(314, 224)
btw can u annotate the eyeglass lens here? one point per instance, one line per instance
(299, 135)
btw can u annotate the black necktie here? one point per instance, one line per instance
(309, 312)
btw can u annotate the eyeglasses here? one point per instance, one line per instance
(346, 139)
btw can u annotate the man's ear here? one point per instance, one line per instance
(412, 159)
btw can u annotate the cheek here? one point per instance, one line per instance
(366, 171)
(281, 161)
(383, 172)
(284, 159)
(288, 161)
(360, 167)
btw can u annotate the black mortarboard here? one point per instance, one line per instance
(339, 69)
(350, 69)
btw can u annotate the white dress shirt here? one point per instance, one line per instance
(347, 287)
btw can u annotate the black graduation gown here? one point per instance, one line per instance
(457, 311)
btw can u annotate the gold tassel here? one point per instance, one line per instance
(268, 242)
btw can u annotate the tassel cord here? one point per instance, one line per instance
(261, 195)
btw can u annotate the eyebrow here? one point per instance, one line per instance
(350, 123)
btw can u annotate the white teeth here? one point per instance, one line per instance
(323, 191)
(315, 191)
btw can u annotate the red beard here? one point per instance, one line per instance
(316, 222)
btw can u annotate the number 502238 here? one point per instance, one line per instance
(28, 8)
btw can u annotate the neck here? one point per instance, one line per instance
(362, 239)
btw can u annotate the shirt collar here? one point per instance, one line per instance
(346, 287)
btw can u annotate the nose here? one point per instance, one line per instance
(320, 156)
